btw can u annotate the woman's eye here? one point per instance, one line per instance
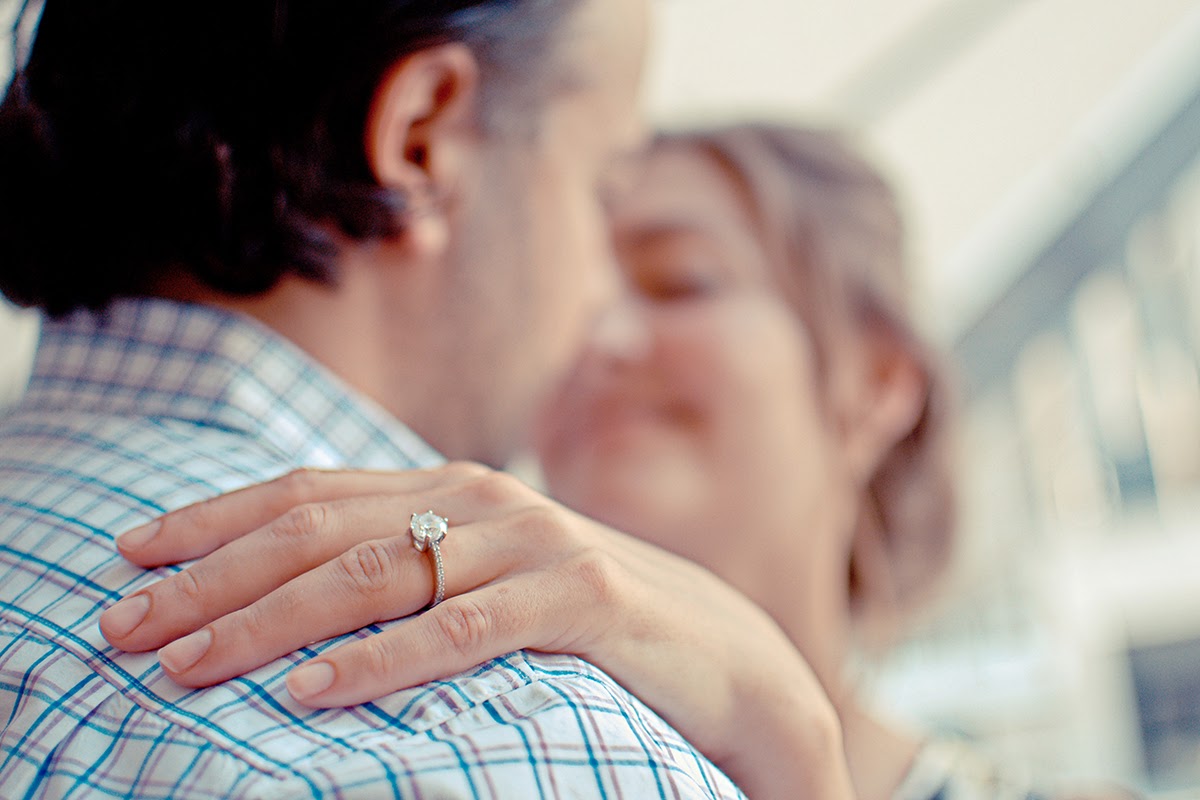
(679, 283)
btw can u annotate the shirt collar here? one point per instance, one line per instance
(210, 367)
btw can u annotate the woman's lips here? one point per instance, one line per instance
(621, 417)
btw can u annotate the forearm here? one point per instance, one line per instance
(785, 746)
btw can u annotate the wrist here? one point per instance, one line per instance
(788, 742)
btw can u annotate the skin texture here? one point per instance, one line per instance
(462, 324)
(531, 265)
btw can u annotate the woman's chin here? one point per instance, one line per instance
(632, 481)
(636, 447)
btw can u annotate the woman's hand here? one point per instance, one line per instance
(317, 554)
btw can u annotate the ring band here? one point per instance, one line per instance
(428, 530)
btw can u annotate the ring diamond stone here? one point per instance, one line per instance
(428, 530)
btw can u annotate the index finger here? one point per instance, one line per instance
(201, 528)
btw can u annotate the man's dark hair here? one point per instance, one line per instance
(220, 138)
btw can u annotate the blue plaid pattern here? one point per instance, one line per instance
(154, 405)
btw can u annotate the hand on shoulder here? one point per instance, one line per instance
(316, 554)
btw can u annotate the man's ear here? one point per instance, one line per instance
(887, 402)
(421, 133)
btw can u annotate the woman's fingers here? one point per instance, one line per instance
(374, 581)
(256, 564)
(201, 528)
(461, 633)
(241, 572)
(542, 596)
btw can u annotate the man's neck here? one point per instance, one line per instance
(336, 326)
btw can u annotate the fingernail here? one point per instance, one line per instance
(310, 679)
(182, 655)
(121, 619)
(139, 537)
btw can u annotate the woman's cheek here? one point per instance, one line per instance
(698, 356)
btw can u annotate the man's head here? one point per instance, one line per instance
(417, 167)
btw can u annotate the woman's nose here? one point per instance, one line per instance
(622, 331)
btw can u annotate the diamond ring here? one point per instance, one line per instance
(427, 531)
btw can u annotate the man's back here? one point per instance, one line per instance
(157, 405)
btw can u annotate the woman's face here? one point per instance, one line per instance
(696, 421)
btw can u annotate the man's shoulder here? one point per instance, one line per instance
(100, 474)
(70, 482)
(523, 725)
(546, 725)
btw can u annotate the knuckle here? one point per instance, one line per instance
(379, 660)
(204, 515)
(463, 624)
(494, 489)
(369, 567)
(546, 525)
(598, 575)
(300, 485)
(465, 470)
(302, 522)
(252, 621)
(188, 588)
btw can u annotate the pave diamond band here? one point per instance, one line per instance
(428, 530)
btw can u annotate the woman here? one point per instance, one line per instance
(776, 420)
(763, 409)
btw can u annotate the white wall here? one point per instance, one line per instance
(17, 331)
(962, 99)
(18, 334)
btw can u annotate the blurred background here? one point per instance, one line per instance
(1049, 155)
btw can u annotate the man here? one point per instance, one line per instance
(264, 233)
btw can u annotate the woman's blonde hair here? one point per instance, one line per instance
(831, 227)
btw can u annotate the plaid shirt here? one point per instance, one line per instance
(155, 405)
